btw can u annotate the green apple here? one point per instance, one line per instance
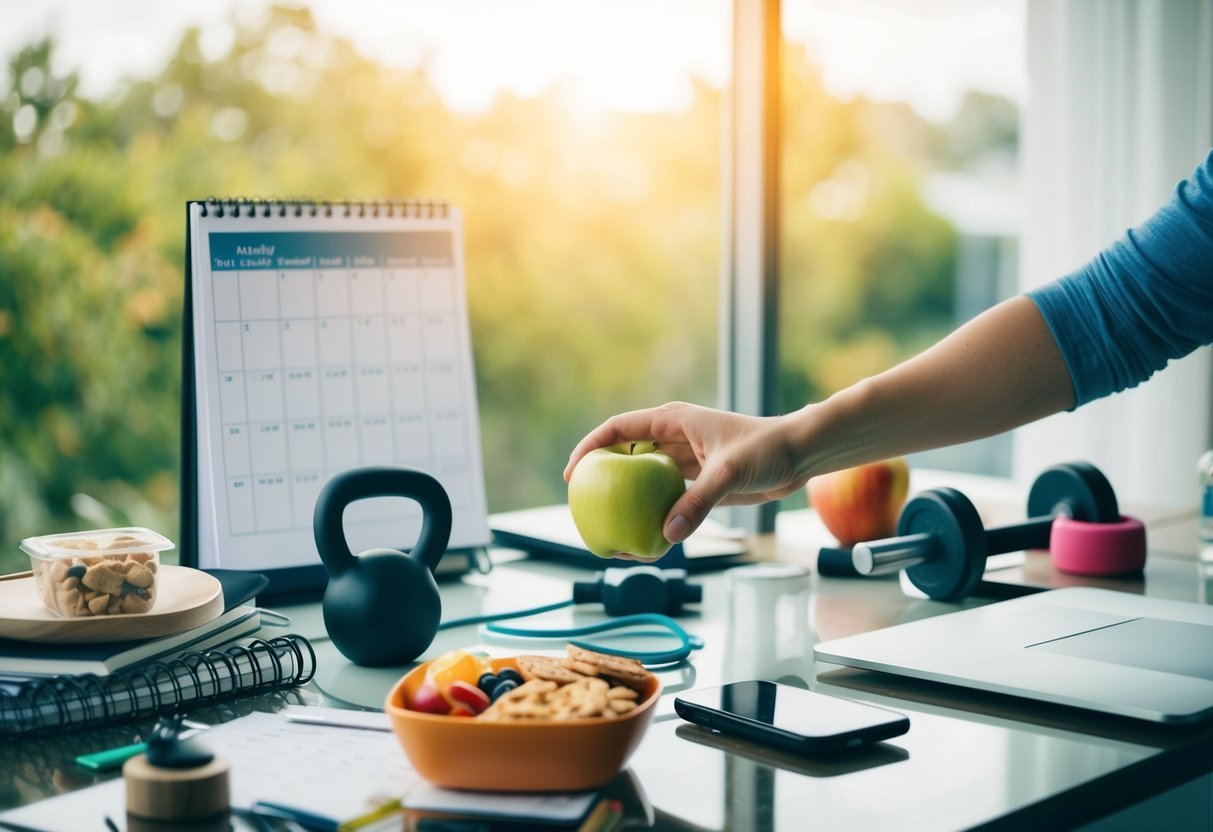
(619, 497)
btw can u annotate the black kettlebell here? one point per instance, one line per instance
(381, 608)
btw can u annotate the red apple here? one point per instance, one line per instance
(861, 503)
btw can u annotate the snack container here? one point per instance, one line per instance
(98, 572)
(525, 756)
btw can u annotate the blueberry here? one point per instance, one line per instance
(487, 682)
(512, 675)
(503, 687)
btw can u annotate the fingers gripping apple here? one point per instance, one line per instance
(619, 497)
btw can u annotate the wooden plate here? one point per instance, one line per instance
(187, 598)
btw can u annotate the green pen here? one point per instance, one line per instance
(113, 758)
(110, 758)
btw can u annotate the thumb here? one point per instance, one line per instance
(691, 509)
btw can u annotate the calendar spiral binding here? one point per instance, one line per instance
(256, 207)
(42, 706)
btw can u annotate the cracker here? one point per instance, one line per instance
(583, 685)
(625, 671)
(544, 667)
(584, 668)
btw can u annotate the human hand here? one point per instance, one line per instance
(732, 459)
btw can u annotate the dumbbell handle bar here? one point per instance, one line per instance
(881, 557)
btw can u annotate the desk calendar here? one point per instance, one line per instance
(323, 337)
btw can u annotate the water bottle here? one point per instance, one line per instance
(1205, 470)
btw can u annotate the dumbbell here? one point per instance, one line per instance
(943, 546)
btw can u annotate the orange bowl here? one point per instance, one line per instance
(516, 756)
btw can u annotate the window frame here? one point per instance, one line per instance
(749, 297)
(748, 336)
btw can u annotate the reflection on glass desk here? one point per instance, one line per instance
(43, 766)
(969, 759)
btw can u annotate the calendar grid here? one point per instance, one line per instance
(329, 350)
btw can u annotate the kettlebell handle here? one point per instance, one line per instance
(363, 483)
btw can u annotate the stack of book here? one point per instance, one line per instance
(52, 687)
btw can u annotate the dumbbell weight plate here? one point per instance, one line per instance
(959, 552)
(1078, 490)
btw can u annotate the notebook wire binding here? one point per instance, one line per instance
(40, 706)
(289, 207)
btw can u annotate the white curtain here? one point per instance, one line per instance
(1120, 109)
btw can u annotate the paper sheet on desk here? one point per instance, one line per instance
(336, 771)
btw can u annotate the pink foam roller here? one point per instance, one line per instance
(1098, 548)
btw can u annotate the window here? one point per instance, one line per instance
(900, 209)
(582, 140)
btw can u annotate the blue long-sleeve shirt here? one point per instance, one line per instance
(1144, 300)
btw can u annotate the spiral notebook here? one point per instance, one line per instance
(62, 703)
(322, 337)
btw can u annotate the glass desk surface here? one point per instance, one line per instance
(969, 759)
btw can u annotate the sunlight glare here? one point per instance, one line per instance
(625, 56)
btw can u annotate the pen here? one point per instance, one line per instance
(370, 817)
(339, 717)
(306, 819)
(112, 758)
(321, 823)
(604, 818)
(452, 825)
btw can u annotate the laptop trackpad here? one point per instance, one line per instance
(1149, 643)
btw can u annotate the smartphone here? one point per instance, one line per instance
(789, 718)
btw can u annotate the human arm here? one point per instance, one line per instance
(1000, 370)
(1144, 300)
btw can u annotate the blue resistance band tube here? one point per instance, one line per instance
(669, 627)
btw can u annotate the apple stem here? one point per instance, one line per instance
(632, 449)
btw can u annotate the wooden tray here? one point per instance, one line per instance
(187, 598)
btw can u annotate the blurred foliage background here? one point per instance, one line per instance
(592, 238)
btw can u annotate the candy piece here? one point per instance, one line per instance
(468, 696)
(428, 700)
(455, 666)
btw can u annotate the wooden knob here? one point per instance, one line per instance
(176, 794)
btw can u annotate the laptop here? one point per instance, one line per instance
(549, 532)
(1102, 650)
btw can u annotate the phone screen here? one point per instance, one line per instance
(788, 716)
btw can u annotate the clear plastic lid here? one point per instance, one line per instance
(96, 542)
